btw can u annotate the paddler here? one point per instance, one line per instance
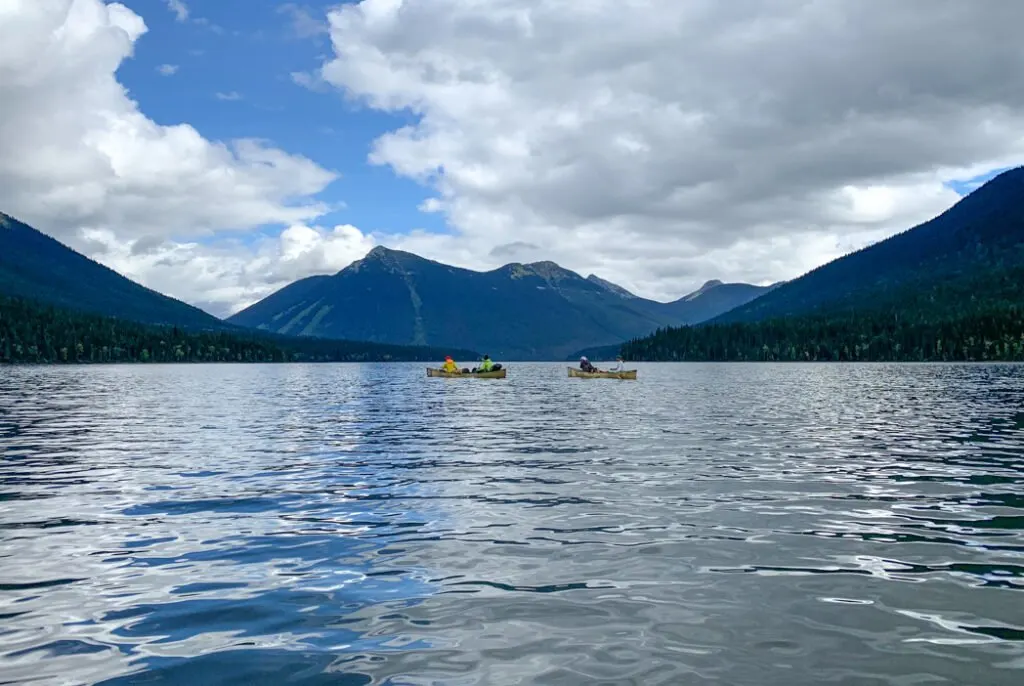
(449, 365)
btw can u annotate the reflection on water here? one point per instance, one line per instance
(347, 524)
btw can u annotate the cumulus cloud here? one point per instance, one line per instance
(79, 160)
(167, 69)
(229, 96)
(660, 143)
(228, 275)
(179, 8)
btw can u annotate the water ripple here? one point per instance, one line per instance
(361, 524)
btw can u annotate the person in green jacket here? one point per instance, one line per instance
(486, 365)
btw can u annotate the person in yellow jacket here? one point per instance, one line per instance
(449, 365)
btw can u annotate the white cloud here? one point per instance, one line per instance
(229, 96)
(303, 23)
(310, 81)
(227, 275)
(76, 152)
(179, 8)
(215, 28)
(167, 69)
(661, 143)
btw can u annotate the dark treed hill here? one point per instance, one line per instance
(975, 318)
(949, 289)
(519, 311)
(35, 266)
(35, 332)
(983, 229)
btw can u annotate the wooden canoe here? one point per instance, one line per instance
(578, 373)
(499, 374)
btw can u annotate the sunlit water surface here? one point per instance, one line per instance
(358, 524)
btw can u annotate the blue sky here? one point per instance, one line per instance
(220, 51)
(965, 186)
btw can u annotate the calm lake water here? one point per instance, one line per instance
(362, 524)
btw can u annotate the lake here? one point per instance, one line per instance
(362, 524)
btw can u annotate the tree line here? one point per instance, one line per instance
(987, 335)
(33, 332)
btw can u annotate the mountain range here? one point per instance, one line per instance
(516, 312)
(948, 287)
(389, 298)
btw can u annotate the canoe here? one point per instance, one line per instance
(629, 374)
(498, 374)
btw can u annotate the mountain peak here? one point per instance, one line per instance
(383, 256)
(547, 270)
(378, 252)
(556, 274)
(708, 285)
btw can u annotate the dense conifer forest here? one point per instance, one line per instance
(33, 332)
